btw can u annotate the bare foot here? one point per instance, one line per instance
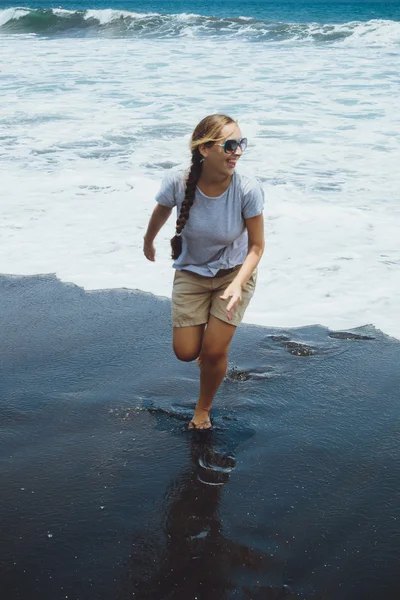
(201, 419)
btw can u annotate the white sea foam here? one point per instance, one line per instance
(376, 32)
(186, 16)
(108, 15)
(89, 128)
(9, 14)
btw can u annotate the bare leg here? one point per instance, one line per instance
(187, 342)
(213, 361)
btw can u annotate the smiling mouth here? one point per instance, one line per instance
(231, 163)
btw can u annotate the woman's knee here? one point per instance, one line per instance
(187, 342)
(213, 355)
(185, 354)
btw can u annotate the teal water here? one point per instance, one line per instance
(290, 11)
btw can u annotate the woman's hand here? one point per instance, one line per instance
(234, 292)
(149, 251)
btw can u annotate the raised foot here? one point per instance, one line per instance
(201, 419)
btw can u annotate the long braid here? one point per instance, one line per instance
(190, 191)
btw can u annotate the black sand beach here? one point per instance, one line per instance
(106, 496)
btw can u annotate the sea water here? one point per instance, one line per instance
(99, 100)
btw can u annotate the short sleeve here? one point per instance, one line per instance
(166, 194)
(253, 201)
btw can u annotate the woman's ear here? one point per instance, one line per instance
(204, 150)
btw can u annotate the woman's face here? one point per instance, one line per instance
(216, 159)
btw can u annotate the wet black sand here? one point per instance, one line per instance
(106, 496)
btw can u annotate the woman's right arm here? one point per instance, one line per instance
(157, 220)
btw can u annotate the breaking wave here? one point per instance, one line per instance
(119, 23)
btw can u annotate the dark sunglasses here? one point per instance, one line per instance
(231, 146)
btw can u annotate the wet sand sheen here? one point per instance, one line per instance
(105, 494)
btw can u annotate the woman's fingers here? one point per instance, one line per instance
(149, 252)
(233, 294)
(233, 302)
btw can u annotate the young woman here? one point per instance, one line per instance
(217, 246)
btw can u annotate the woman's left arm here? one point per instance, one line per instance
(255, 230)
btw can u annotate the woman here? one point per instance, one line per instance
(216, 251)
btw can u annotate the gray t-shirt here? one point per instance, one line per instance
(215, 236)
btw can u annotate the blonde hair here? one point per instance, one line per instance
(207, 132)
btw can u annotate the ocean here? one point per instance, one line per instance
(105, 495)
(99, 102)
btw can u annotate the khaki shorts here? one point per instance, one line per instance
(195, 298)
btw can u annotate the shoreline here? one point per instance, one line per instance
(246, 321)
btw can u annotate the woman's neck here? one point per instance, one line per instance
(213, 184)
(214, 178)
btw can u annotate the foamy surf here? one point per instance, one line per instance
(89, 129)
